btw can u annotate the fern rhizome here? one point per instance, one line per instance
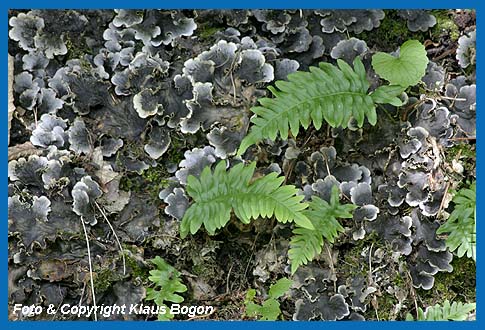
(330, 93)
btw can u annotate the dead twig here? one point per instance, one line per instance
(228, 277)
(332, 266)
(413, 294)
(290, 170)
(443, 200)
(471, 138)
(445, 53)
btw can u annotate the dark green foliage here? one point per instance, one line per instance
(306, 244)
(167, 284)
(447, 312)
(326, 93)
(217, 193)
(270, 309)
(460, 226)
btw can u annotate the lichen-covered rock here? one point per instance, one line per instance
(434, 77)
(113, 107)
(84, 194)
(159, 141)
(39, 221)
(418, 20)
(324, 308)
(49, 131)
(194, 162)
(27, 171)
(24, 29)
(137, 219)
(349, 49)
(466, 52)
(355, 21)
(79, 139)
(274, 21)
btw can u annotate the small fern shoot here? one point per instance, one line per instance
(269, 310)
(306, 244)
(217, 193)
(460, 226)
(326, 93)
(456, 311)
(167, 286)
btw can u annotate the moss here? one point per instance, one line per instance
(445, 25)
(459, 285)
(151, 181)
(465, 150)
(76, 49)
(104, 278)
(467, 154)
(154, 174)
(154, 179)
(136, 269)
(385, 308)
(353, 262)
(127, 183)
(178, 143)
(392, 32)
(205, 30)
(205, 267)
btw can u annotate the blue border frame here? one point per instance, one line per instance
(278, 4)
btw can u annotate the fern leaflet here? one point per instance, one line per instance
(460, 226)
(448, 312)
(330, 93)
(307, 244)
(217, 193)
(167, 279)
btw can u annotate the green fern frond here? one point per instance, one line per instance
(167, 284)
(461, 225)
(447, 312)
(330, 93)
(306, 244)
(216, 194)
